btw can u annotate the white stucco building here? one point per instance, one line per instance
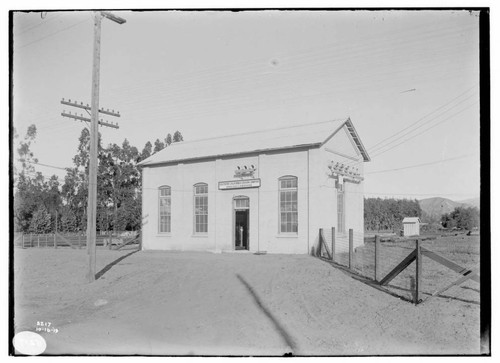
(262, 191)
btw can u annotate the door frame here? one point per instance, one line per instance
(234, 210)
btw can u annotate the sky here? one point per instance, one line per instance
(409, 81)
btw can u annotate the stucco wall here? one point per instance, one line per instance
(264, 204)
(317, 200)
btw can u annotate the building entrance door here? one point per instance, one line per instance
(241, 223)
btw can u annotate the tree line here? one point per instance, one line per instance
(43, 204)
(461, 218)
(387, 214)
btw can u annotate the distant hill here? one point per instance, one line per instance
(434, 208)
(473, 202)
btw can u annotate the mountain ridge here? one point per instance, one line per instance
(434, 208)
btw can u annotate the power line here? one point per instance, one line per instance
(429, 128)
(419, 165)
(39, 24)
(372, 148)
(52, 34)
(50, 166)
(379, 150)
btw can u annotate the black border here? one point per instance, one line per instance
(485, 189)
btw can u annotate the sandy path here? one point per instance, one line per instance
(173, 303)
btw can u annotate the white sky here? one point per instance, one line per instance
(217, 73)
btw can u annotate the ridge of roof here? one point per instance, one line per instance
(263, 131)
(279, 138)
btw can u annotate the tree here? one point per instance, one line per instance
(146, 152)
(25, 155)
(41, 221)
(68, 221)
(168, 140)
(158, 146)
(462, 218)
(388, 214)
(178, 136)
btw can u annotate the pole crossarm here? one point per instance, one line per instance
(86, 119)
(113, 17)
(87, 107)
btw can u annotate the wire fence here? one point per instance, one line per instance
(75, 240)
(444, 260)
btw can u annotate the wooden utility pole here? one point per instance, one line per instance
(94, 132)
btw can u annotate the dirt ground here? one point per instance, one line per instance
(187, 303)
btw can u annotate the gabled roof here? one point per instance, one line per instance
(411, 220)
(310, 135)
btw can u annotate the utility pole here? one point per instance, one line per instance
(94, 132)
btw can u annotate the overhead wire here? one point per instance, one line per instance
(234, 105)
(378, 148)
(43, 22)
(51, 34)
(372, 44)
(429, 128)
(420, 165)
(179, 93)
(373, 147)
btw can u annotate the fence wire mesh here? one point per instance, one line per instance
(459, 249)
(74, 240)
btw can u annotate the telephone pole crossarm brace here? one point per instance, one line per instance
(94, 130)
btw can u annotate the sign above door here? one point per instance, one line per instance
(239, 184)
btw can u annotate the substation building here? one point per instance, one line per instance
(267, 191)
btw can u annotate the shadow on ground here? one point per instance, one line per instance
(376, 285)
(279, 328)
(111, 264)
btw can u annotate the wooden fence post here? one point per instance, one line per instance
(55, 239)
(351, 249)
(377, 255)
(418, 272)
(320, 245)
(38, 240)
(333, 244)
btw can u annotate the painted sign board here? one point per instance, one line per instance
(239, 184)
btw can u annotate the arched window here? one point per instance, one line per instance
(288, 204)
(164, 209)
(201, 208)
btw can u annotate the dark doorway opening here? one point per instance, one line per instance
(241, 229)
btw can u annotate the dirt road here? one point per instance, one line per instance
(182, 303)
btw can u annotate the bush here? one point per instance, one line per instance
(461, 218)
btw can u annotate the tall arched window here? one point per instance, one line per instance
(288, 204)
(164, 209)
(201, 208)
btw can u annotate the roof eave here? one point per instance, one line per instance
(156, 163)
(357, 140)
